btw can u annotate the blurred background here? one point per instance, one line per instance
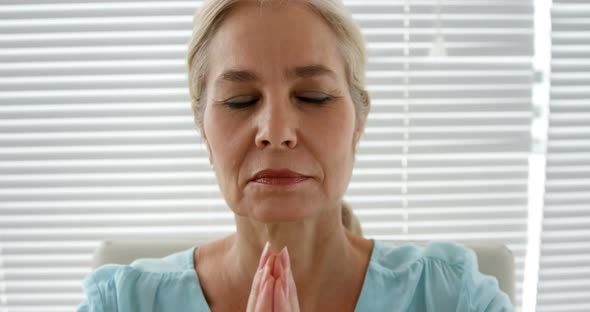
(479, 129)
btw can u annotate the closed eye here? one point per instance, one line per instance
(240, 104)
(244, 104)
(316, 100)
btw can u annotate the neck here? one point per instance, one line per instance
(321, 251)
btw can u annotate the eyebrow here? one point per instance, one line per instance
(308, 71)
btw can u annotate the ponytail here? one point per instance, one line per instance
(350, 221)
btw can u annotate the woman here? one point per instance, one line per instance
(278, 95)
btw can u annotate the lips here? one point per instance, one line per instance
(278, 177)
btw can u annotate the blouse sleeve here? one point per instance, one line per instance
(484, 293)
(96, 286)
(93, 300)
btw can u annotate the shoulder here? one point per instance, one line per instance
(399, 258)
(139, 285)
(445, 273)
(144, 270)
(411, 271)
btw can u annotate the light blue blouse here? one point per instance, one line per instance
(441, 276)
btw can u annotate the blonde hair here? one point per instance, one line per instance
(210, 15)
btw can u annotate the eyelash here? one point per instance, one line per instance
(240, 105)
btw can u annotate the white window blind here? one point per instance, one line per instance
(564, 277)
(452, 137)
(97, 140)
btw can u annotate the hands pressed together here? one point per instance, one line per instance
(273, 288)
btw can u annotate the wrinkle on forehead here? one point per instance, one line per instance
(297, 38)
(299, 72)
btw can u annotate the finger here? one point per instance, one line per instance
(280, 303)
(285, 264)
(292, 291)
(280, 300)
(264, 278)
(283, 277)
(264, 302)
(265, 255)
(279, 267)
(271, 263)
(266, 274)
(259, 277)
(284, 255)
(291, 288)
(255, 289)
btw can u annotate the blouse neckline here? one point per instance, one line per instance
(360, 300)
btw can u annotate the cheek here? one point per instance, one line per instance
(341, 130)
(226, 144)
(336, 149)
(220, 132)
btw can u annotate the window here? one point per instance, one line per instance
(97, 137)
(564, 275)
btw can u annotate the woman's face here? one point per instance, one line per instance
(277, 98)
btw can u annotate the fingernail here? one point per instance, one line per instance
(266, 282)
(265, 272)
(285, 256)
(285, 282)
(262, 256)
(282, 252)
(263, 284)
(282, 255)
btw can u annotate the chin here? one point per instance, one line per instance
(281, 210)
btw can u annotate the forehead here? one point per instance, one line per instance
(272, 41)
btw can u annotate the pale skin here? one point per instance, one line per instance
(267, 63)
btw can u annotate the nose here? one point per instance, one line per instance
(277, 126)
